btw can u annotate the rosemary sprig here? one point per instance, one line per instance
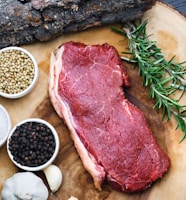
(164, 78)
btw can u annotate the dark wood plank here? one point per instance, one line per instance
(180, 5)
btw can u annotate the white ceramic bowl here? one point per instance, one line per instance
(52, 158)
(5, 125)
(31, 86)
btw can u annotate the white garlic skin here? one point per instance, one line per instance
(72, 198)
(24, 186)
(54, 177)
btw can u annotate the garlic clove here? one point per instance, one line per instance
(54, 177)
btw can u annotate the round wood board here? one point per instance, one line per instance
(168, 29)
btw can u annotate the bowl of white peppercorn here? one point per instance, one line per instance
(33, 144)
(18, 72)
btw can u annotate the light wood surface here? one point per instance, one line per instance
(168, 28)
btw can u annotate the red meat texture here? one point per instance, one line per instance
(110, 134)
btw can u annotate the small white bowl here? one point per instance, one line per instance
(5, 125)
(52, 158)
(31, 86)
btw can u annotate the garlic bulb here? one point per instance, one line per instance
(24, 186)
(54, 177)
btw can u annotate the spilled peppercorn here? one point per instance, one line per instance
(32, 144)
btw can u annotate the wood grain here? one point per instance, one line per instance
(77, 182)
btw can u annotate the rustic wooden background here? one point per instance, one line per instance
(180, 5)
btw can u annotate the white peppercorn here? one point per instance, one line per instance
(16, 71)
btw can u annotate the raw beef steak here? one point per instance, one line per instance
(110, 134)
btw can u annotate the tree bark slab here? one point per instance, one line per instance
(25, 22)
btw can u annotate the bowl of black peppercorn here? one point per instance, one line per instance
(33, 144)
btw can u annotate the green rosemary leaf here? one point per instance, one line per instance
(166, 80)
(141, 30)
(181, 125)
(158, 61)
(124, 52)
(128, 60)
(163, 112)
(118, 31)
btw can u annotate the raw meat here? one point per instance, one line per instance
(110, 134)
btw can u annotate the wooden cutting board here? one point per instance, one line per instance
(168, 29)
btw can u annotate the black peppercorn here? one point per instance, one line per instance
(32, 144)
